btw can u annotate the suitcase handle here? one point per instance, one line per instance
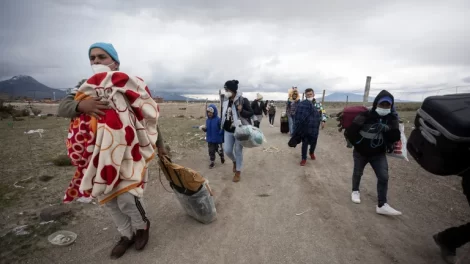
(428, 129)
(428, 136)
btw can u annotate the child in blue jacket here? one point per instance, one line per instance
(214, 135)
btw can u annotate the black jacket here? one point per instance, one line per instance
(371, 123)
(258, 109)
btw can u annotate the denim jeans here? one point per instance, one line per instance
(233, 149)
(379, 164)
(290, 119)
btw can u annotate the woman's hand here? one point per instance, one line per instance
(239, 108)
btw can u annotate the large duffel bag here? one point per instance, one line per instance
(440, 142)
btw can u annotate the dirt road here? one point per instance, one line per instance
(257, 221)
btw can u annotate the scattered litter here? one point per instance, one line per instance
(303, 212)
(85, 200)
(62, 238)
(47, 222)
(271, 150)
(39, 131)
(20, 230)
(105, 228)
(19, 186)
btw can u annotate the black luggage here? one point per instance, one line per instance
(440, 142)
(284, 123)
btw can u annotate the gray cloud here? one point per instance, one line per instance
(194, 46)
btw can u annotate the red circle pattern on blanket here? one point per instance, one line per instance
(119, 145)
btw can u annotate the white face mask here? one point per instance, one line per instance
(228, 94)
(310, 99)
(98, 68)
(382, 111)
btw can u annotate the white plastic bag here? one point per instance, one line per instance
(200, 205)
(399, 148)
(242, 133)
(256, 138)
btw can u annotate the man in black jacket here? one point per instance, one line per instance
(259, 108)
(372, 134)
(452, 238)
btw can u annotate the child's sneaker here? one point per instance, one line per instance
(211, 165)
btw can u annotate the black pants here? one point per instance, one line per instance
(213, 148)
(456, 237)
(271, 118)
(379, 164)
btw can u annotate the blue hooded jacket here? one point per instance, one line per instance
(214, 133)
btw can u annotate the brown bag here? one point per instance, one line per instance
(182, 179)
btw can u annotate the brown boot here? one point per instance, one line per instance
(121, 247)
(142, 237)
(234, 167)
(236, 177)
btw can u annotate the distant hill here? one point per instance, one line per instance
(352, 97)
(172, 96)
(27, 86)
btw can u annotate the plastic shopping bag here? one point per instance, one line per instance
(256, 138)
(242, 133)
(200, 205)
(399, 148)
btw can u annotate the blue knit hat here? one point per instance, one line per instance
(108, 47)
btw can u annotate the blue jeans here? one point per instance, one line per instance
(233, 149)
(290, 119)
(379, 164)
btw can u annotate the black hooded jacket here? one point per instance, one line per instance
(260, 108)
(372, 124)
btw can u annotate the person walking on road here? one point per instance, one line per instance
(236, 110)
(307, 124)
(271, 113)
(259, 108)
(291, 108)
(373, 134)
(126, 208)
(214, 135)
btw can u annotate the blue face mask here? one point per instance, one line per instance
(382, 111)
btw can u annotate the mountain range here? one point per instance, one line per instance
(26, 86)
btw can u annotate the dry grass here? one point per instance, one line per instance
(26, 160)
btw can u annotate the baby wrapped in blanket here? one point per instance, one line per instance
(112, 154)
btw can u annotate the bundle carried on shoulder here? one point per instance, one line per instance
(440, 142)
(191, 189)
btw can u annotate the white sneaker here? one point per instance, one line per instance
(356, 197)
(272, 125)
(387, 210)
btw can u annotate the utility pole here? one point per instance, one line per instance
(366, 91)
(323, 97)
(347, 100)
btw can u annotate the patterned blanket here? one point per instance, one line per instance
(112, 154)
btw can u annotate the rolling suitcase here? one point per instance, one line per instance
(440, 142)
(284, 123)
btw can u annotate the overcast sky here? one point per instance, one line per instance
(194, 46)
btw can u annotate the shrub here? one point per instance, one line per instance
(36, 111)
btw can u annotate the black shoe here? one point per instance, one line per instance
(211, 165)
(447, 254)
(121, 247)
(222, 160)
(142, 237)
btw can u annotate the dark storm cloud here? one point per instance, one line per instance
(267, 45)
